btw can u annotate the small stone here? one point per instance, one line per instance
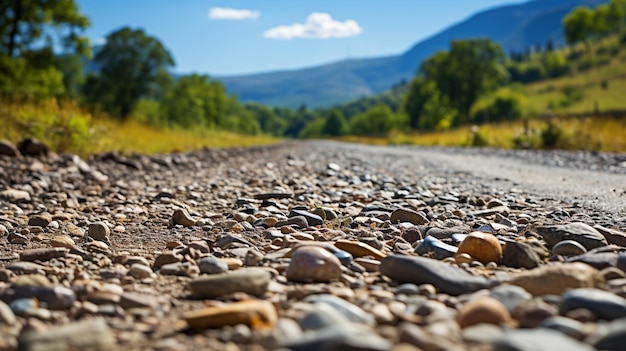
(438, 248)
(612, 338)
(253, 281)
(212, 265)
(7, 148)
(91, 334)
(55, 298)
(74, 230)
(350, 311)
(166, 258)
(326, 213)
(7, 316)
(568, 326)
(254, 313)
(140, 271)
(62, 241)
(556, 279)
(510, 296)
(421, 270)
(484, 309)
(603, 304)
(99, 231)
(519, 254)
(182, 217)
(312, 263)
(43, 254)
(253, 258)
(359, 249)
(15, 196)
(612, 236)
(40, 220)
(404, 215)
(568, 248)
(483, 247)
(22, 267)
(538, 340)
(312, 219)
(583, 233)
(32, 147)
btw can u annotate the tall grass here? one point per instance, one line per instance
(65, 127)
(591, 133)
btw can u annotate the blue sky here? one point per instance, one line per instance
(245, 36)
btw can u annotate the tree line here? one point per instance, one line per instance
(44, 54)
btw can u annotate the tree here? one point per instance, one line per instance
(423, 104)
(471, 68)
(335, 124)
(578, 26)
(24, 23)
(131, 64)
(30, 31)
(375, 121)
(194, 102)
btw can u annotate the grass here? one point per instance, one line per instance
(591, 133)
(65, 127)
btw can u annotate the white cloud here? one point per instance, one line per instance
(318, 25)
(227, 13)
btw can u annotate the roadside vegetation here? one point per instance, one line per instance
(122, 95)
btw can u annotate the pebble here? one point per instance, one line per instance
(182, 217)
(582, 233)
(439, 249)
(91, 334)
(14, 195)
(538, 340)
(556, 279)
(483, 309)
(255, 313)
(359, 249)
(253, 281)
(483, 247)
(311, 219)
(212, 265)
(140, 271)
(7, 316)
(402, 215)
(313, 264)
(43, 254)
(99, 231)
(421, 270)
(603, 304)
(568, 248)
(350, 311)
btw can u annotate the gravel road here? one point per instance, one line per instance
(313, 245)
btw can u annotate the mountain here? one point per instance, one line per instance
(515, 27)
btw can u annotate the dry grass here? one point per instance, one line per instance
(65, 127)
(593, 133)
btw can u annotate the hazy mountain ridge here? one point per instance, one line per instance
(515, 27)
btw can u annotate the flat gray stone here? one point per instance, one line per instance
(538, 340)
(351, 311)
(445, 277)
(583, 233)
(253, 281)
(613, 338)
(93, 335)
(603, 304)
(212, 265)
(404, 215)
(312, 219)
(440, 250)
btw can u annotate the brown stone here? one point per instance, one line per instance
(254, 313)
(483, 247)
(359, 249)
(484, 309)
(312, 263)
(556, 279)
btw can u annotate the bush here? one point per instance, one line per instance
(552, 136)
(573, 94)
(505, 106)
(378, 120)
(64, 127)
